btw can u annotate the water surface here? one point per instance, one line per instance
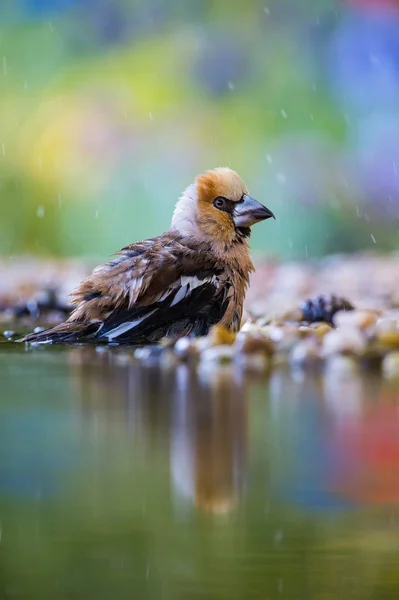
(123, 480)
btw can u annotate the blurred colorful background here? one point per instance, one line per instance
(109, 108)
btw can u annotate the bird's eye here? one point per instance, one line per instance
(219, 203)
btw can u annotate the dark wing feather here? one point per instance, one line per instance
(182, 312)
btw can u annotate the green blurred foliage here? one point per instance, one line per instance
(108, 110)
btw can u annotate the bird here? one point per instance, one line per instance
(182, 283)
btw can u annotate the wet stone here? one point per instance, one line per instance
(221, 354)
(186, 348)
(360, 319)
(340, 341)
(306, 352)
(390, 365)
(9, 334)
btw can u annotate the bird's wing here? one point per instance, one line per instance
(153, 289)
(191, 305)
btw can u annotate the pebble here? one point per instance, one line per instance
(250, 327)
(219, 354)
(321, 329)
(306, 352)
(39, 329)
(344, 341)
(386, 323)
(360, 319)
(9, 334)
(186, 348)
(389, 338)
(254, 344)
(390, 365)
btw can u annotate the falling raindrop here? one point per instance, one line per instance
(231, 86)
(151, 116)
(3, 149)
(96, 213)
(283, 113)
(25, 85)
(269, 159)
(267, 10)
(4, 65)
(281, 178)
(373, 238)
(40, 212)
(278, 536)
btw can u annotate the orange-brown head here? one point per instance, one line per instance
(217, 207)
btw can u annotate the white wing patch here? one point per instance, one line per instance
(121, 329)
(188, 284)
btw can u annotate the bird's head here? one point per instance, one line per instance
(217, 207)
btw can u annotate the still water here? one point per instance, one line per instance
(120, 480)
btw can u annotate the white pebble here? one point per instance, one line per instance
(343, 341)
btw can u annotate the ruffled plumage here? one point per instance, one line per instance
(168, 286)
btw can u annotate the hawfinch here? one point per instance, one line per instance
(181, 283)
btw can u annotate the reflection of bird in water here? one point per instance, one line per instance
(209, 440)
(201, 421)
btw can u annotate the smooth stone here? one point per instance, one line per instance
(361, 319)
(218, 354)
(390, 365)
(344, 341)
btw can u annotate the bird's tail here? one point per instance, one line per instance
(68, 332)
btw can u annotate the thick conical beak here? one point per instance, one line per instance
(250, 211)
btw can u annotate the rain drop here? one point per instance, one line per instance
(40, 212)
(278, 536)
(231, 86)
(283, 113)
(4, 65)
(373, 238)
(281, 178)
(3, 149)
(269, 159)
